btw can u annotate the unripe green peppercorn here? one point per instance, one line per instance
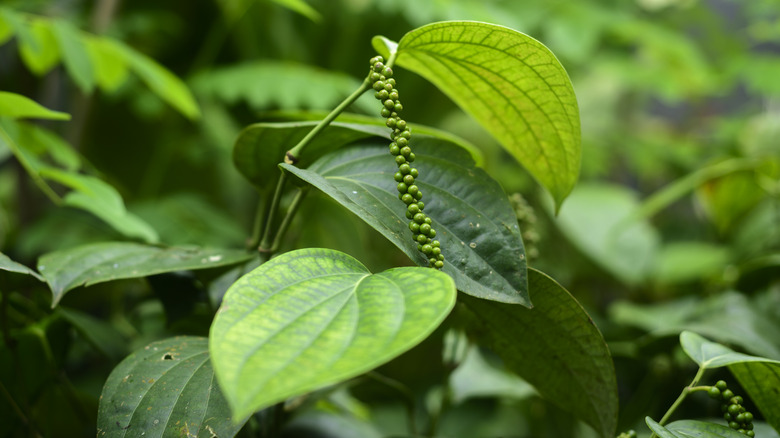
(419, 218)
(388, 72)
(402, 142)
(407, 198)
(418, 195)
(721, 385)
(406, 150)
(389, 104)
(378, 85)
(733, 410)
(391, 81)
(421, 238)
(403, 188)
(385, 112)
(425, 229)
(411, 157)
(727, 394)
(427, 249)
(390, 123)
(420, 203)
(400, 160)
(394, 150)
(733, 425)
(407, 170)
(439, 264)
(381, 95)
(398, 177)
(398, 107)
(713, 392)
(413, 209)
(393, 95)
(415, 227)
(408, 179)
(412, 189)
(401, 124)
(405, 134)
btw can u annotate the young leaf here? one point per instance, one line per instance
(74, 55)
(17, 106)
(759, 376)
(511, 84)
(165, 389)
(313, 317)
(262, 146)
(37, 45)
(6, 264)
(476, 225)
(101, 199)
(554, 346)
(659, 430)
(98, 262)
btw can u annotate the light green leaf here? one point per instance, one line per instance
(260, 147)
(688, 261)
(159, 79)
(595, 220)
(555, 346)
(6, 30)
(475, 377)
(35, 142)
(17, 106)
(74, 54)
(101, 199)
(6, 264)
(301, 7)
(511, 84)
(474, 221)
(165, 389)
(287, 85)
(110, 66)
(37, 45)
(759, 376)
(659, 430)
(314, 317)
(99, 262)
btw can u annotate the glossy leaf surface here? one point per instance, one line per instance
(166, 389)
(554, 346)
(314, 317)
(471, 214)
(17, 106)
(511, 84)
(98, 262)
(692, 429)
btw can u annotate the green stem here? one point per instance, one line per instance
(296, 202)
(294, 154)
(265, 243)
(48, 191)
(687, 390)
(259, 224)
(405, 392)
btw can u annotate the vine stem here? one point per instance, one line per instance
(294, 153)
(296, 202)
(265, 243)
(687, 390)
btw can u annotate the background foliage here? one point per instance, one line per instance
(673, 225)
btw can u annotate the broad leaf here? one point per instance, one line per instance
(262, 146)
(165, 389)
(624, 247)
(759, 376)
(98, 262)
(37, 46)
(511, 84)
(110, 67)
(6, 264)
(17, 106)
(314, 317)
(692, 429)
(74, 55)
(554, 346)
(102, 200)
(474, 221)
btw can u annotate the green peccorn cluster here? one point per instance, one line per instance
(734, 412)
(423, 233)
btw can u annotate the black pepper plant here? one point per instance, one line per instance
(295, 323)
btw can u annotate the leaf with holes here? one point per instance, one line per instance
(511, 84)
(569, 364)
(106, 261)
(313, 317)
(165, 389)
(474, 221)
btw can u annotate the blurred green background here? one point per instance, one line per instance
(675, 223)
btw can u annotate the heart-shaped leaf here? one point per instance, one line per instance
(554, 346)
(474, 221)
(106, 261)
(511, 84)
(165, 389)
(313, 317)
(261, 147)
(759, 376)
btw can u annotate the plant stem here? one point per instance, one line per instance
(265, 243)
(31, 170)
(296, 202)
(687, 390)
(261, 214)
(294, 154)
(404, 391)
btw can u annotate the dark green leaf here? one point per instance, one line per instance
(102, 200)
(99, 262)
(313, 317)
(101, 334)
(511, 84)
(474, 221)
(659, 430)
(74, 55)
(17, 106)
(165, 389)
(701, 429)
(713, 355)
(554, 346)
(6, 264)
(262, 146)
